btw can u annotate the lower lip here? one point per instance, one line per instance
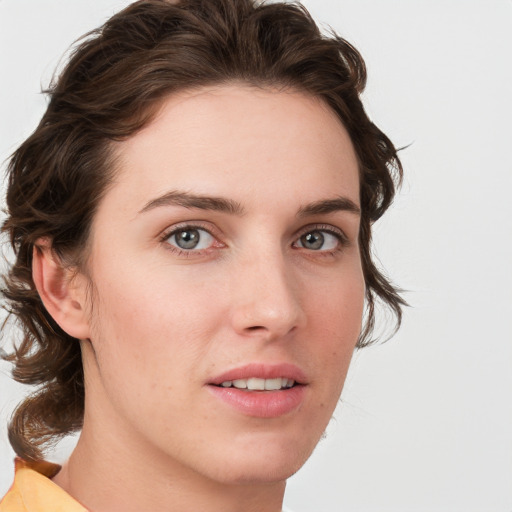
(261, 404)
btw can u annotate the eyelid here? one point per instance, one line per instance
(343, 241)
(182, 226)
(190, 224)
(329, 228)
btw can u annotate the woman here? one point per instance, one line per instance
(192, 224)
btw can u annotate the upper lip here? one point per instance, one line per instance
(262, 371)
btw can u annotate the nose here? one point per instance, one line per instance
(266, 303)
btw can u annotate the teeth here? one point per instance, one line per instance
(256, 384)
(273, 384)
(289, 383)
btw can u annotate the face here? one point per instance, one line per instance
(227, 284)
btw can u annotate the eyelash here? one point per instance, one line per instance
(184, 227)
(343, 240)
(338, 234)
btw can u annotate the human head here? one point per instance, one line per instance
(111, 88)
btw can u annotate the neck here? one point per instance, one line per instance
(110, 471)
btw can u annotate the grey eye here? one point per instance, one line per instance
(313, 240)
(191, 238)
(318, 240)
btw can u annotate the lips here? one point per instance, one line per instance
(261, 390)
(256, 384)
(262, 371)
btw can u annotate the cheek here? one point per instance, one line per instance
(336, 305)
(335, 315)
(152, 298)
(152, 321)
(148, 341)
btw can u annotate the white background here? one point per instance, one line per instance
(425, 422)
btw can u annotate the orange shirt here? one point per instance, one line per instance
(33, 491)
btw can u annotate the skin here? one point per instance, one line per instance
(158, 324)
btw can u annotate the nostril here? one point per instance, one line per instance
(255, 328)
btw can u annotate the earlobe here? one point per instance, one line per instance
(62, 293)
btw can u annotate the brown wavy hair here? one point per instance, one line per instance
(115, 79)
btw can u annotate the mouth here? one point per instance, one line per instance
(261, 377)
(262, 391)
(257, 384)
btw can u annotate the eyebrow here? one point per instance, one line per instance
(329, 206)
(188, 200)
(221, 204)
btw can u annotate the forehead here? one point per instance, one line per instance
(234, 139)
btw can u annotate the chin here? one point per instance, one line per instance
(268, 474)
(266, 462)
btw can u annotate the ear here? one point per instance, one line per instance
(63, 293)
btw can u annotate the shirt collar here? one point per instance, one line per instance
(37, 491)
